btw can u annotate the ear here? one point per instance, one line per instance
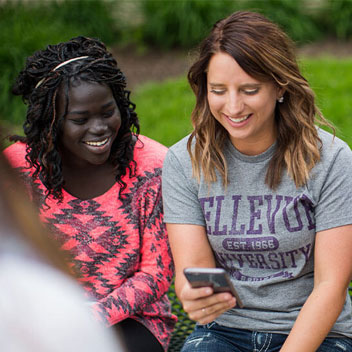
(280, 92)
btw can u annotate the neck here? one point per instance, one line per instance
(89, 182)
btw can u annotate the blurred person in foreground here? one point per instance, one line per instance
(42, 307)
(263, 192)
(97, 184)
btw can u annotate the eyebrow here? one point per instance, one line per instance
(84, 112)
(249, 85)
(216, 84)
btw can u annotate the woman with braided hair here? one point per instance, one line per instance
(97, 184)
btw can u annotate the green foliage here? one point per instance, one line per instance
(337, 18)
(28, 26)
(165, 108)
(91, 18)
(181, 23)
(291, 16)
(184, 23)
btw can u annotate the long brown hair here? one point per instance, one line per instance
(266, 53)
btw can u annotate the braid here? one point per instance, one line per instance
(39, 84)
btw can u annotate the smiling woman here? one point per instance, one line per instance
(243, 105)
(261, 190)
(88, 131)
(97, 184)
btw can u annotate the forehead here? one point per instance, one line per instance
(84, 95)
(224, 69)
(82, 91)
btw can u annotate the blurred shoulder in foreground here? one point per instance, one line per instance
(42, 308)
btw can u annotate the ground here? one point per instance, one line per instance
(151, 65)
(154, 65)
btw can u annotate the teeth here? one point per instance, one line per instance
(97, 144)
(240, 119)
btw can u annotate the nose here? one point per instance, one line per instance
(98, 126)
(234, 104)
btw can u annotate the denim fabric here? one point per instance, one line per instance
(336, 344)
(215, 338)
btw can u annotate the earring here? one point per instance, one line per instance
(281, 100)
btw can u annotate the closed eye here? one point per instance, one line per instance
(109, 113)
(217, 91)
(251, 91)
(80, 121)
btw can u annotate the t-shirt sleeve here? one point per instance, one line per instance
(180, 192)
(334, 206)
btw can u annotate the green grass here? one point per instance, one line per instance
(331, 81)
(164, 108)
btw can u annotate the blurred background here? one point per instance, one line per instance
(154, 42)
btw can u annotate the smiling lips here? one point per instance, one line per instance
(97, 143)
(240, 119)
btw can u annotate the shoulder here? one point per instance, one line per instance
(335, 156)
(181, 146)
(179, 150)
(149, 156)
(178, 160)
(149, 153)
(333, 147)
(16, 154)
(41, 300)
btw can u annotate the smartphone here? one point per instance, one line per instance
(217, 278)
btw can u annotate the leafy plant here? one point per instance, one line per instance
(28, 26)
(292, 16)
(181, 23)
(184, 23)
(337, 18)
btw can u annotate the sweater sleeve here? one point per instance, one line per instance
(152, 279)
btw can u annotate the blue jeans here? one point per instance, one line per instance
(215, 338)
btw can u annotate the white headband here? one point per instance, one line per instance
(60, 65)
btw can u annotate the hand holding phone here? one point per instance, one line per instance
(217, 278)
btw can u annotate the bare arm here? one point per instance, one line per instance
(332, 274)
(190, 248)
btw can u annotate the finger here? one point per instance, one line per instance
(209, 313)
(190, 306)
(189, 293)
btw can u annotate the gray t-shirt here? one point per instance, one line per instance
(264, 238)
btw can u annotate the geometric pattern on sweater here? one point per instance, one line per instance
(119, 247)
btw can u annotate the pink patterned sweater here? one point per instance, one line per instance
(119, 247)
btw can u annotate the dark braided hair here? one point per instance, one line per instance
(39, 85)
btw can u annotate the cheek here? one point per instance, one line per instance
(215, 103)
(263, 105)
(268, 108)
(70, 133)
(117, 123)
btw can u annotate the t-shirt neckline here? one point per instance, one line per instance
(267, 154)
